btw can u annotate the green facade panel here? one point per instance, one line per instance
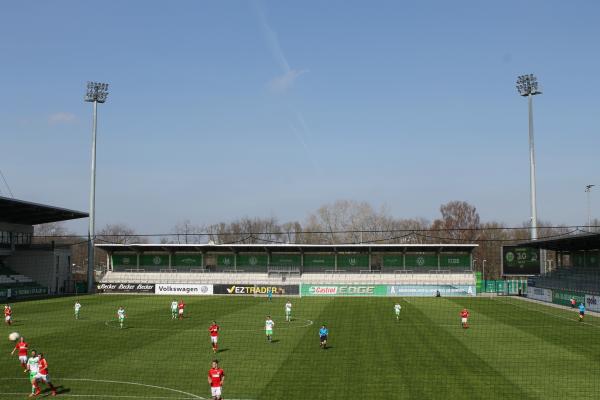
(252, 260)
(592, 259)
(187, 260)
(318, 260)
(393, 260)
(286, 259)
(124, 260)
(225, 260)
(154, 260)
(426, 261)
(462, 261)
(353, 260)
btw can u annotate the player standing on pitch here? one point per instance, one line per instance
(397, 309)
(269, 324)
(464, 316)
(581, 312)
(121, 315)
(174, 309)
(22, 347)
(216, 377)
(214, 335)
(42, 375)
(7, 315)
(181, 306)
(323, 332)
(77, 307)
(288, 311)
(269, 294)
(33, 369)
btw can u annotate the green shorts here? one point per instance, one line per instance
(32, 376)
(269, 332)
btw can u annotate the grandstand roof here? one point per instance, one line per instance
(26, 213)
(313, 248)
(585, 241)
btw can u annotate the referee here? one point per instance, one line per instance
(323, 332)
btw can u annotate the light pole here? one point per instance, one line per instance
(96, 93)
(527, 86)
(588, 190)
(483, 275)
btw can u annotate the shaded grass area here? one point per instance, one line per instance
(514, 349)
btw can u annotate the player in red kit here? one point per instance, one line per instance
(43, 376)
(216, 377)
(180, 308)
(22, 347)
(8, 315)
(464, 315)
(214, 335)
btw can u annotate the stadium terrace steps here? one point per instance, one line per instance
(263, 278)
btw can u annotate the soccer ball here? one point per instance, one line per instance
(13, 337)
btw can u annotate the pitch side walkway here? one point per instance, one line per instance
(587, 312)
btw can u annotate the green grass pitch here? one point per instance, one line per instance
(514, 349)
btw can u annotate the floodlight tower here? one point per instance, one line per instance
(588, 190)
(96, 93)
(527, 86)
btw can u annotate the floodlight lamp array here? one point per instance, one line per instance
(97, 92)
(527, 85)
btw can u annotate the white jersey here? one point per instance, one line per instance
(174, 306)
(77, 307)
(397, 308)
(121, 313)
(288, 308)
(269, 324)
(32, 364)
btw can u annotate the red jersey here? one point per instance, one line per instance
(22, 347)
(214, 330)
(464, 314)
(181, 305)
(43, 366)
(216, 376)
(7, 311)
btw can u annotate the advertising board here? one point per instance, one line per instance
(592, 303)
(343, 290)
(256, 290)
(431, 290)
(188, 289)
(125, 287)
(539, 294)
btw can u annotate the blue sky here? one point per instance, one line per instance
(219, 110)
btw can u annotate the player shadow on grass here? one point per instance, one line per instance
(222, 350)
(59, 390)
(275, 341)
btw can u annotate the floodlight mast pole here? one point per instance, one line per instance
(588, 190)
(528, 87)
(96, 93)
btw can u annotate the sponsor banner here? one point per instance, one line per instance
(23, 292)
(592, 303)
(183, 288)
(343, 290)
(539, 294)
(431, 290)
(260, 290)
(564, 297)
(125, 287)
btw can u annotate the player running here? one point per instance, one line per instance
(397, 309)
(288, 311)
(7, 314)
(464, 316)
(581, 312)
(42, 375)
(174, 309)
(33, 369)
(22, 347)
(180, 307)
(121, 315)
(216, 377)
(269, 324)
(323, 332)
(214, 335)
(77, 307)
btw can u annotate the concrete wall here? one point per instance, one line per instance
(50, 268)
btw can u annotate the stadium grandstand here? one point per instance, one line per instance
(577, 268)
(29, 269)
(412, 264)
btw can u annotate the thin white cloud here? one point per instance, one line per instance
(282, 83)
(61, 118)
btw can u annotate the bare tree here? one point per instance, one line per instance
(119, 233)
(186, 232)
(460, 221)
